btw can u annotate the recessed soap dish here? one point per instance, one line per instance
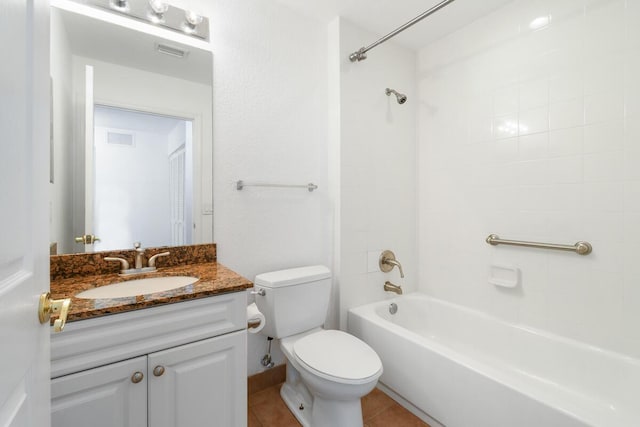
(504, 276)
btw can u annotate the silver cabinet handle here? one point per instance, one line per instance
(158, 371)
(137, 377)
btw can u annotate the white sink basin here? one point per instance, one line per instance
(132, 288)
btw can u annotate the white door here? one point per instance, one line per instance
(89, 174)
(24, 211)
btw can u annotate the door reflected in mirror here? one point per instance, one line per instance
(143, 187)
(132, 135)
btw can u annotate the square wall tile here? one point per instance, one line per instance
(606, 136)
(566, 114)
(533, 121)
(534, 94)
(563, 142)
(603, 107)
(605, 166)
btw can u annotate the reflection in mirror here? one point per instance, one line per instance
(132, 135)
(142, 163)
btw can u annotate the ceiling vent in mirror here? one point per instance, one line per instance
(120, 138)
(171, 51)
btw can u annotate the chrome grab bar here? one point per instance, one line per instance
(581, 247)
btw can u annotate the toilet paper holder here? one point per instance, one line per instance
(252, 324)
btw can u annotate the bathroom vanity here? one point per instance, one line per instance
(174, 358)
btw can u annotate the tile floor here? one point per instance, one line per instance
(267, 409)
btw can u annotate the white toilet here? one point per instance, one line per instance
(328, 371)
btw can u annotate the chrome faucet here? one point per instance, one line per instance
(139, 253)
(390, 287)
(387, 261)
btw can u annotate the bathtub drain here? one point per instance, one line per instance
(393, 308)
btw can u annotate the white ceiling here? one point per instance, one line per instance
(384, 16)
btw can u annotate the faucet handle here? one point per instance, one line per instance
(152, 260)
(123, 262)
(387, 261)
(137, 246)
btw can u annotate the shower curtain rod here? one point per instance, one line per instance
(361, 53)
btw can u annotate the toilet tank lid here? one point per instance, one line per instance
(292, 276)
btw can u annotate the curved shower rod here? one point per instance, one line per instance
(361, 53)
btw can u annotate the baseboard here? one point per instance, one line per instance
(266, 379)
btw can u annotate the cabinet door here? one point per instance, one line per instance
(203, 384)
(102, 397)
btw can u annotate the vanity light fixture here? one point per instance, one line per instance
(157, 10)
(192, 20)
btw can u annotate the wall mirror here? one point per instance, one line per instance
(131, 134)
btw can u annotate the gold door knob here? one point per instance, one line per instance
(137, 377)
(49, 306)
(158, 371)
(87, 239)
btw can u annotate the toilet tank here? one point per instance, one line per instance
(294, 300)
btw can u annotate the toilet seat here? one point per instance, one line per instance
(337, 356)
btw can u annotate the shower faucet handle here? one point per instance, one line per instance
(387, 261)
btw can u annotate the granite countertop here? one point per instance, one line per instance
(66, 282)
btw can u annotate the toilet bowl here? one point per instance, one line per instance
(328, 371)
(333, 370)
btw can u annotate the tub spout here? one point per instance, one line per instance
(388, 261)
(390, 287)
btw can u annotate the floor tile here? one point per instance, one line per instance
(252, 420)
(270, 394)
(267, 409)
(396, 416)
(374, 403)
(270, 410)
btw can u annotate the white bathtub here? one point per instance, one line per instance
(466, 369)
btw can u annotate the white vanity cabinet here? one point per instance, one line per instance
(102, 397)
(178, 365)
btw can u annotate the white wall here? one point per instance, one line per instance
(60, 192)
(534, 135)
(376, 154)
(131, 182)
(270, 119)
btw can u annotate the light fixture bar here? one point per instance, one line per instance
(174, 18)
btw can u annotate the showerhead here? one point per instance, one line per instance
(400, 97)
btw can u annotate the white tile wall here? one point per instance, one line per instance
(377, 164)
(535, 135)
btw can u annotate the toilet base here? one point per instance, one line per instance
(299, 406)
(321, 413)
(316, 411)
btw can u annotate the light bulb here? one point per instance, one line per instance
(158, 9)
(192, 18)
(158, 6)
